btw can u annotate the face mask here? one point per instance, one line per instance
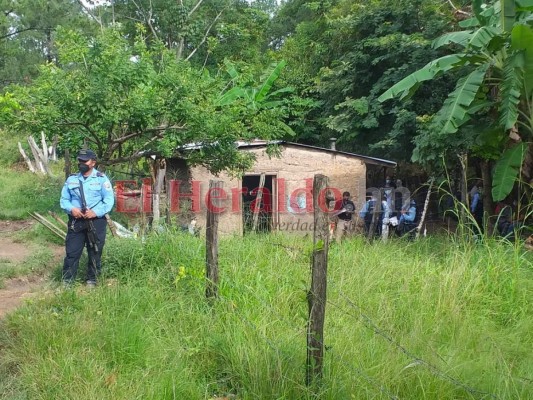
(84, 168)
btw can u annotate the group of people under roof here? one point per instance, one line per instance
(399, 213)
(396, 209)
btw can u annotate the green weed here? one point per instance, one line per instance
(23, 192)
(432, 319)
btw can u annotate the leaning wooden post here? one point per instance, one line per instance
(45, 149)
(53, 155)
(317, 295)
(258, 200)
(211, 240)
(426, 205)
(26, 158)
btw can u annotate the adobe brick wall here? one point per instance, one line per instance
(293, 168)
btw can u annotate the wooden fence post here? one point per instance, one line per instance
(26, 158)
(317, 295)
(211, 239)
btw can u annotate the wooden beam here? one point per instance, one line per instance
(258, 200)
(26, 158)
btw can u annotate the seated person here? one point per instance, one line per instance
(505, 223)
(407, 219)
(367, 212)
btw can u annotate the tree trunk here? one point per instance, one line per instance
(68, 164)
(426, 206)
(159, 167)
(488, 204)
(463, 160)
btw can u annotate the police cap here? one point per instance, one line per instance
(86, 155)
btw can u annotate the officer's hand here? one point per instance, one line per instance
(90, 214)
(76, 213)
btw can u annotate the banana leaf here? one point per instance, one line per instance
(454, 111)
(506, 171)
(511, 88)
(408, 85)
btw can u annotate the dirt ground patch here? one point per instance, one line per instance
(11, 251)
(17, 289)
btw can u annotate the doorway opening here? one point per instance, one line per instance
(257, 203)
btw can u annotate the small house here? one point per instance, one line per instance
(275, 194)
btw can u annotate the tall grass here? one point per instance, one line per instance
(22, 192)
(433, 319)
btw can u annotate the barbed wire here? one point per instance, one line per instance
(416, 359)
(302, 332)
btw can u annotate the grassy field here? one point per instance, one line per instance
(441, 318)
(435, 319)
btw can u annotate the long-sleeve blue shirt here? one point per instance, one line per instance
(96, 188)
(475, 200)
(410, 215)
(384, 209)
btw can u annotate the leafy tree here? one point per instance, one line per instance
(202, 31)
(27, 34)
(127, 101)
(493, 98)
(344, 53)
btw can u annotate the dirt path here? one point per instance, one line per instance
(17, 289)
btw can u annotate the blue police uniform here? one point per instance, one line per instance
(407, 222)
(367, 212)
(99, 197)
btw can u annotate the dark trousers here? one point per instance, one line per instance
(74, 244)
(378, 228)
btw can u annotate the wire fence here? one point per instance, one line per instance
(378, 387)
(356, 312)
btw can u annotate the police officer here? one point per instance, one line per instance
(96, 188)
(406, 223)
(367, 212)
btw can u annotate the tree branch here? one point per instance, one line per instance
(458, 10)
(132, 135)
(194, 8)
(19, 31)
(136, 155)
(146, 19)
(88, 11)
(205, 36)
(74, 123)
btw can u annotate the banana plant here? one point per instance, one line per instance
(258, 96)
(496, 63)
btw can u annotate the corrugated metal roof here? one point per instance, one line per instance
(263, 143)
(367, 159)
